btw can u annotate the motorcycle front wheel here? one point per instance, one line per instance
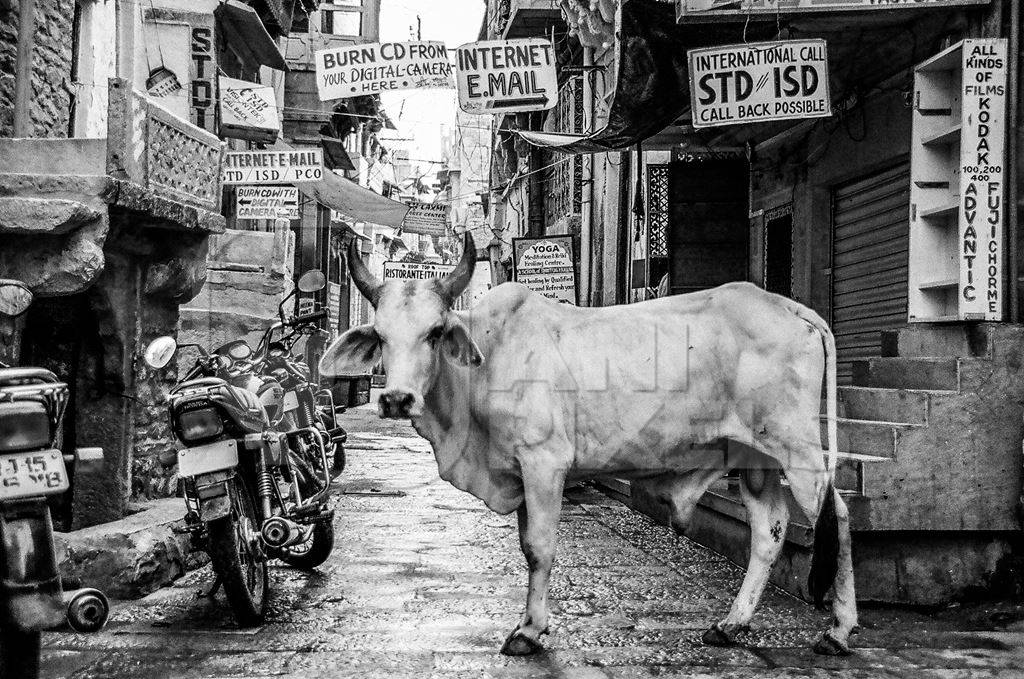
(314, 551)
(19, 653)
(242, 569)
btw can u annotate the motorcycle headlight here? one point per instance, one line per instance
(203, 423)
(24, 425)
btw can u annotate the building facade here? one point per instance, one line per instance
(863, 215)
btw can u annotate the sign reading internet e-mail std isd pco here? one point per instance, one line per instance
(758, 82)
(506, 76)
(273, 167)
(356, 70)
(267, 202)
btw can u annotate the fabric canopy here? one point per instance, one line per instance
(245, 31)
(651, 88)
(350, 199)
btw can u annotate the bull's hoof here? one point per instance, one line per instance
(520, 644)
(716, 636)
(828, 645)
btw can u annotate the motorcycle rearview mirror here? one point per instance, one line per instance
(312, 281)
(15, 297)
(160, 351)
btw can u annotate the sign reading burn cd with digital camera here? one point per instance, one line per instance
(267, 202)
(759, 82)
(506, 76)
(273, 167)
(356, 70)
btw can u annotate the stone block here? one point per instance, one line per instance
(907, 373)
(53, 216)
(904, 406)
(130, 558)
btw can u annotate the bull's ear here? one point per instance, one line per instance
(354, 353)
(459, 346)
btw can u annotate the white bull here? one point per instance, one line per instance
(521, 395)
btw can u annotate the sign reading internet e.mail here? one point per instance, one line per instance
(273, 167)
(267, 202)
(759, 82)
(366, 69)
(506, 76)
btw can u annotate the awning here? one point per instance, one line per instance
(248, 36)
(350, 199)
(651, 84)
(335, 155)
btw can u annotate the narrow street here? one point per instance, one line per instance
(425, 581)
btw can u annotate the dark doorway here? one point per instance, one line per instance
(778, 251)
(708, 226)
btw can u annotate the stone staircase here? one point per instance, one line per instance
(930, 432)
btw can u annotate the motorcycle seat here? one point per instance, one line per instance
(242, 405)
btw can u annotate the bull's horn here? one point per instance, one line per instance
(365, 281)
(454, 283)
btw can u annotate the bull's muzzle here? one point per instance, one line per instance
(397, 404)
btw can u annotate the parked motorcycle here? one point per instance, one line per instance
(33, 469)
(256, 482)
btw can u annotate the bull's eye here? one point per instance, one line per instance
(434, 336)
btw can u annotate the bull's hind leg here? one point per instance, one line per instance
(768, 516)
(832, 536)
(538, 535)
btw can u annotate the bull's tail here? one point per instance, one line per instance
(825, 558)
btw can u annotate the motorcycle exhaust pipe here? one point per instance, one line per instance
(87, 609)
(279, 532)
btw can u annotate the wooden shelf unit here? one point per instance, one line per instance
(948, 221)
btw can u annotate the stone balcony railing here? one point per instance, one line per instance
(168, 156)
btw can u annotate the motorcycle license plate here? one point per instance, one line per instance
(291, 401)
(212, 457)
(32, 474)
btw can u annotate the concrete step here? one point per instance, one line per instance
(907, 373)
(866, 440)
(899, 406)
(965, 340)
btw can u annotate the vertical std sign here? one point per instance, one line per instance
(982, 164)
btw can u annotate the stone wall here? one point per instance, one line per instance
(51, 74)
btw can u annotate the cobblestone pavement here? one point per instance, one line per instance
(425, 582)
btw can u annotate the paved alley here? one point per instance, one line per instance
(425, 582)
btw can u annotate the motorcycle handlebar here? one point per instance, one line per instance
(308, 318)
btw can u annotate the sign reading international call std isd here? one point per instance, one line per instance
(758, 82)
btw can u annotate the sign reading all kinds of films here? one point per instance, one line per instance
(545, 265)
(248, 110)
(430, 219)
(982, 161)
(506, 76)
(273, 167)
(695, 8)
(356, 70)
(267, 202)
(759, 82)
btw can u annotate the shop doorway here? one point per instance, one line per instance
(708, 227)
(870, 226)
(778, 250)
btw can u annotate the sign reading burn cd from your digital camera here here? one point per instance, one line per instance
(356, 70)
(506, 76)
(759, 82)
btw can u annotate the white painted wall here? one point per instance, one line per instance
(97, 63)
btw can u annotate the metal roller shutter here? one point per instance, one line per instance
(870, 223)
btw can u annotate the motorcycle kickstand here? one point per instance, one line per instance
(212, 590)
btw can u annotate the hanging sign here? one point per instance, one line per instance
(759, 82)
(506, 76)
(248, 111)
(545, 265)
(273, 167)
(693, 9)
(430, 219)
(414, 271)
(267, 202)
(356, 70)
(982, 162)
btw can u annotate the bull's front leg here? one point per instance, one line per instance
(538, 535)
